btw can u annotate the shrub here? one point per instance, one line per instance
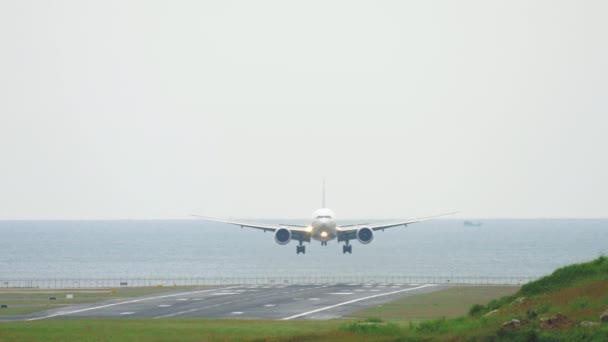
(476, 310)
(373, 320)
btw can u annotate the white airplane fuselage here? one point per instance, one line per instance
(323, 225)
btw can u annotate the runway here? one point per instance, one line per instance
(245, 302)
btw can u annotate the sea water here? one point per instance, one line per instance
(195, 248)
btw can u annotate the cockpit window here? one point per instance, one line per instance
(322, 217)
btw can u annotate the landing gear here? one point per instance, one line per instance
(347, 248)
(301, 249)
(323, 243)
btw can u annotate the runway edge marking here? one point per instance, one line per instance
(127, 302)
(354, 301)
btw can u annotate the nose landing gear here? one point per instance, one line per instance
(323, 243)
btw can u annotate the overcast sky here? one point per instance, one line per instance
(161, 109)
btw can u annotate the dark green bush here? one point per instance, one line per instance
(476, 310)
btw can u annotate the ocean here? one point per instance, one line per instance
(195, 248)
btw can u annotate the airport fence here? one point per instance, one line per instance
(61, 283)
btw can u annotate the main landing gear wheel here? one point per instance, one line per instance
(347, 248)
(300, 249)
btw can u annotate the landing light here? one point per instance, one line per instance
(308, 229)
(323, 234)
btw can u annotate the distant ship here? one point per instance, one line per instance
(472, 223)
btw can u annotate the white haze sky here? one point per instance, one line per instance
(161, 109)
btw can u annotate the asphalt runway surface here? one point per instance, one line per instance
(243, 302)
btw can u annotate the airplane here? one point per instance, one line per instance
(323, 228)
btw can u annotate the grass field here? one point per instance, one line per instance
(173, 330)
(451, 302)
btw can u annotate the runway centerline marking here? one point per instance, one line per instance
(354, 301)
(121, 303)
(341, 293)
(127, 313)
(223, 293)
(164, 305)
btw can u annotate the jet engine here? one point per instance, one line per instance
(282, 236)
(365, 235)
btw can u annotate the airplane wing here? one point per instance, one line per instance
(405, 223)
(264, 227)
(297, 232)
(350, 232)
(354, 224)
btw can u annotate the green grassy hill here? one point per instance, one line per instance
(549, 309)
